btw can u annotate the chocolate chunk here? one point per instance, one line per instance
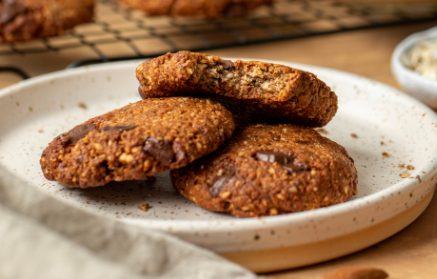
(228, 65)
(161, 150)
(215, 189)
(140, 91)
(10, 10)
(79, 132)
(118, 128)
(281, 158)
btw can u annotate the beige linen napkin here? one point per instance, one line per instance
(43, 237)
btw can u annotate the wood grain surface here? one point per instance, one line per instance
(412, 253)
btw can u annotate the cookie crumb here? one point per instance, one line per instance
(41, 131)
(404, 174)
(401, 165)
(382, 143)
(354, 135)
(385, 154)
(357, 273)
(143, 206)
(410, 167)
(82, 105)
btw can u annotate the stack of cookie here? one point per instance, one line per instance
(237, 136)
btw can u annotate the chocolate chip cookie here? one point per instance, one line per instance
(136, 141)
(255, 92)
(269, 170)
(24, 20)
(202, 8)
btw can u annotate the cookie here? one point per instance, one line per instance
(268, 170)
(255, 92)
(24, 20)
(137, 141)
(202, 8)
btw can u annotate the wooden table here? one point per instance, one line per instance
(412, 253)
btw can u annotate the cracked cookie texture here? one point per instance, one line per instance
(137, 141)
(25, 20)
(255, 92)
(199, 8)
(268, 170)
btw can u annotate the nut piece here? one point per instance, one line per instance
(143, 206)
(357, 273)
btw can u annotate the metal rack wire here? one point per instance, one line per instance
(135, 35)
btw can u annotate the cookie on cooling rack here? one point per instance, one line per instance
(24, 20)
(136, 141)
(255, 92)
(202, 8)
(268, 170)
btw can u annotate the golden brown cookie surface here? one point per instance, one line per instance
(202, 8)
(24, 20)
(136, 141)
(269, 170)
(255, 92)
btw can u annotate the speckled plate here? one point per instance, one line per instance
(383, 129)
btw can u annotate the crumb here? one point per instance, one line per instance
(129, 213)
(41, 131)
(401, 165)
(82, 105)
(404, 174)
(123, 203)
(410, 167)
(354, 135)
(31, 109)
(418, 178)
(322, 131)
(385, 154)
(382, 143)
(87, 202)
(390, 141)
(143, 206)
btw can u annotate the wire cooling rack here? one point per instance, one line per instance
(119, 33)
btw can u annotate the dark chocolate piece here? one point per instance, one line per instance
(215, 189)
(120, 128)
(140, 91)
(10, 10)
(78, 132)
(161, 150)
(228, 65)
(285, 160)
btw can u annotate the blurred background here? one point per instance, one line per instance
(351, 35)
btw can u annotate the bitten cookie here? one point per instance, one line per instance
(202, 8)
(255, 92)
(24, 20)
(269, 170)
(136, 141)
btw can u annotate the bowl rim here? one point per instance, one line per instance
(406, 45)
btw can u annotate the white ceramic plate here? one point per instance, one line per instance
(33, 112)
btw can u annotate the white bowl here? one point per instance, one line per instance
(423, 88)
